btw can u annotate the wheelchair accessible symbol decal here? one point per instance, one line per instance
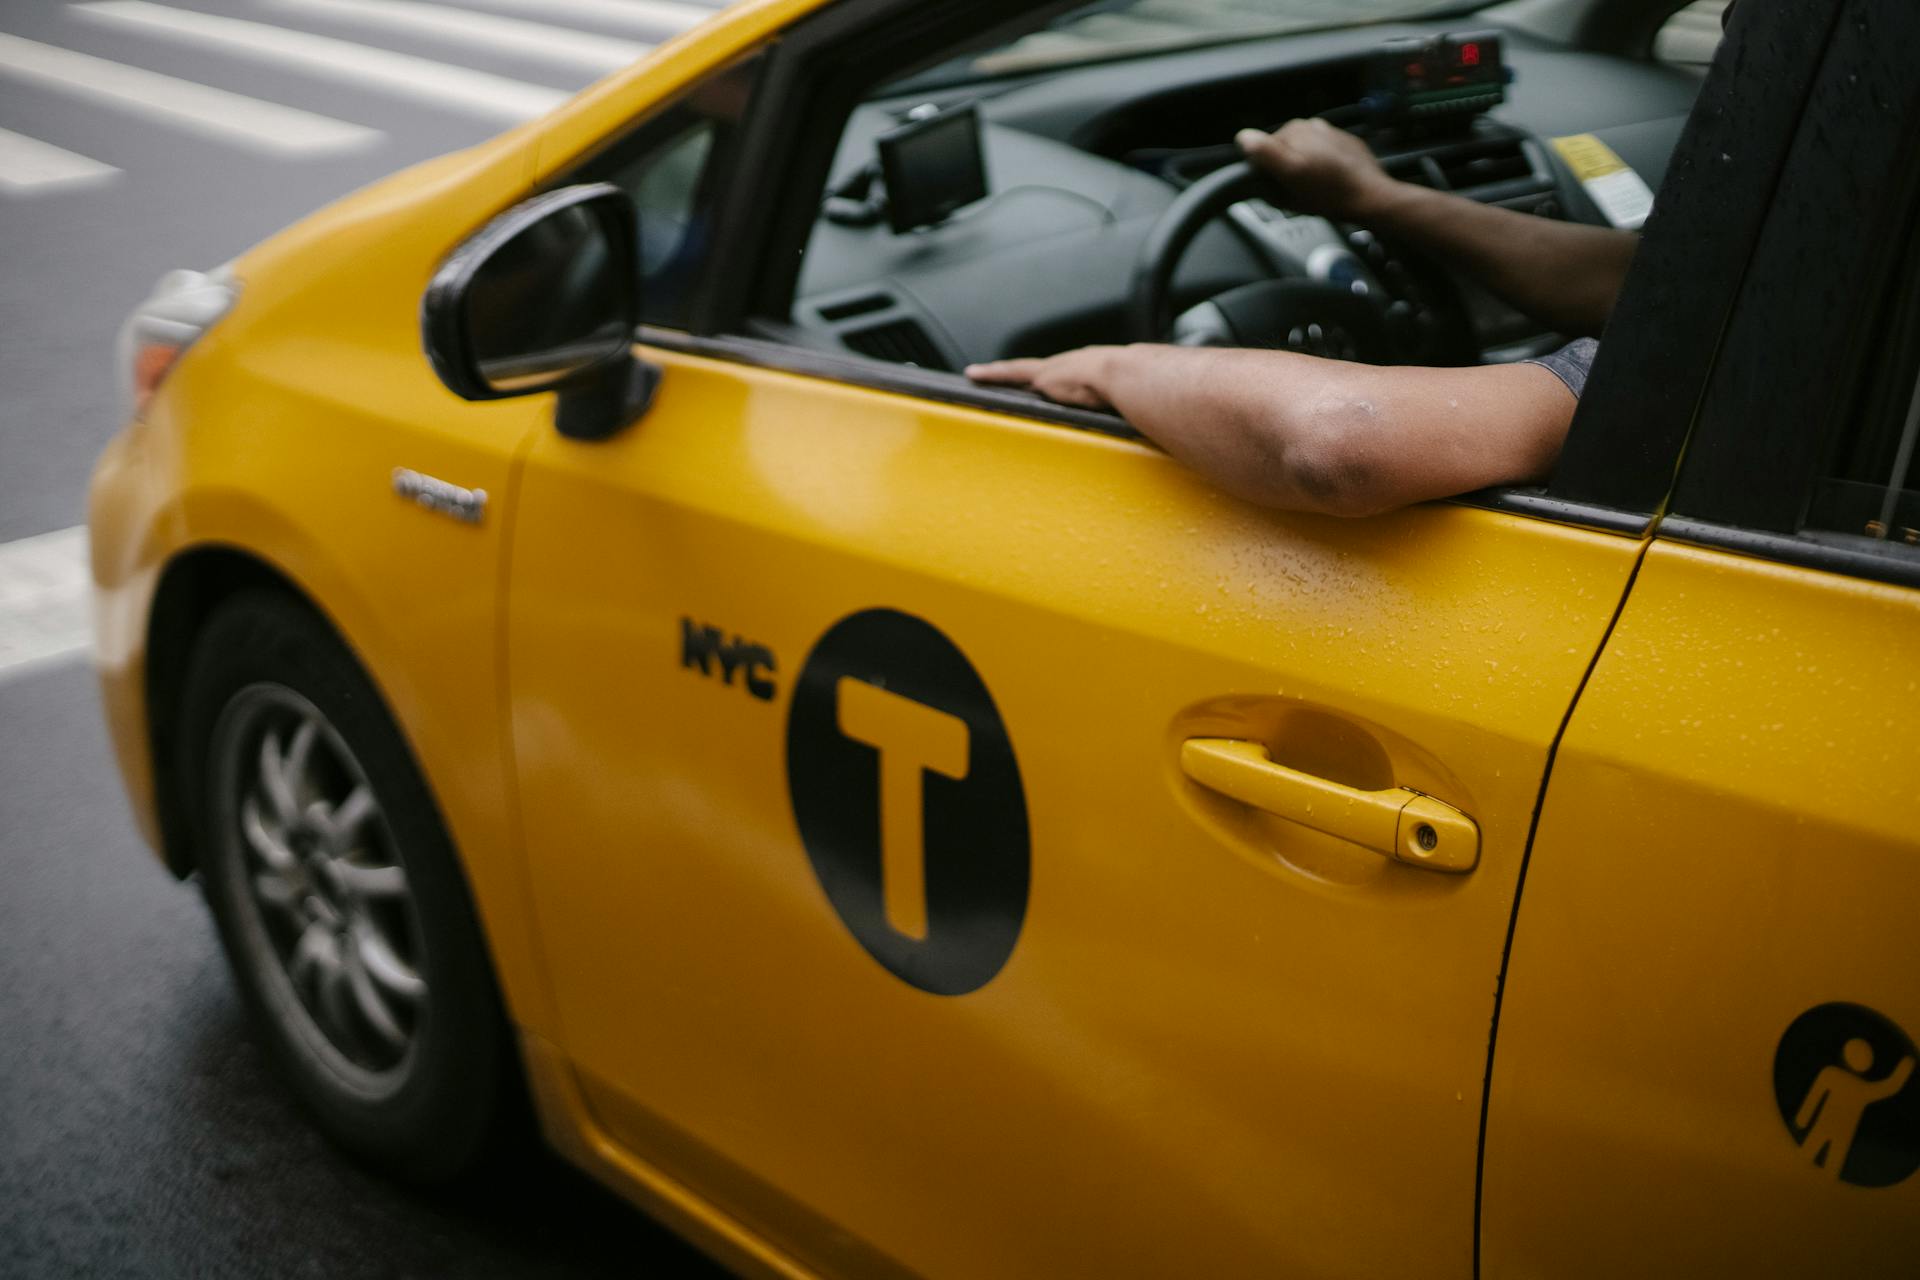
(1844, 1079)
(908, 799)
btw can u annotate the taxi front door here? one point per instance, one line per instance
(949, 834)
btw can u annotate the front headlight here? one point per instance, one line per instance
(183, 305)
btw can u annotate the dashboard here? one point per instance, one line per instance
(1082, 163)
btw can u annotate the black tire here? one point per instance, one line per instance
(442, 1099)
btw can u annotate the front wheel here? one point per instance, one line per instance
(338, 895)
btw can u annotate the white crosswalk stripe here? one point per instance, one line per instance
(478, 93)
(44, 606)
(575, 37)
(43, 600)
(231, 117)
(29, 166)
(595, 53)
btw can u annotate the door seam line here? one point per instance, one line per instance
(1520, 884)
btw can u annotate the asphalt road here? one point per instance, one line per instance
(140, 1131)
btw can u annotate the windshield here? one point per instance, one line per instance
(1123, 28)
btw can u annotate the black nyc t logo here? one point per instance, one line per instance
(909, 802)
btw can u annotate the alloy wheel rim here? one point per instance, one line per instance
(329, 919)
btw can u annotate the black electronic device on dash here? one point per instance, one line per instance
(1451, 76)
(933, 167)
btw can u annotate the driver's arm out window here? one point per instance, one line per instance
(675, 167)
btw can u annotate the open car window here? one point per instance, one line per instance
(1075, 162)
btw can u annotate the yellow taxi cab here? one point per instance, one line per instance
(593, 649)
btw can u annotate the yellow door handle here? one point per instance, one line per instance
(1402, 824)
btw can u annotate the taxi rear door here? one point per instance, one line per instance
(1706, 1053)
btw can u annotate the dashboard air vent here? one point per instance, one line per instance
(898, 341)
(1484, 164)
(848, 308)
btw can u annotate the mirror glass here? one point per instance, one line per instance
(550, 302)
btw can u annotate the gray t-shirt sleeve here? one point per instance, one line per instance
(1571, 363)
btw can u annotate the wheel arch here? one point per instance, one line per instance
(189, 596)
(193, 585)
(196, 581)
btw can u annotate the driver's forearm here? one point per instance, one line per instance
(1242, 423)
(1306, 434)
(1565, 275)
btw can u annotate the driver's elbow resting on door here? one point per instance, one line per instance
(1319, 462)
(1272, 428)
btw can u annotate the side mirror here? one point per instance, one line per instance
(546, 297)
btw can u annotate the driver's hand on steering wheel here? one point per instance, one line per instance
(1325, 171)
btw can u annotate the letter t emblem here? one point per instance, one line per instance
(911, 738)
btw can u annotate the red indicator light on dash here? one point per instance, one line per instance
(1469, 55)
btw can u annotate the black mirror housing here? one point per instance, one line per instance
(546, 297)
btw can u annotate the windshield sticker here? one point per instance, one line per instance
(909, 801)
(1843, 1077)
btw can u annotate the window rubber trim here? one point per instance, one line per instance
(1893, 563)
(878, 375)
(1543, 505)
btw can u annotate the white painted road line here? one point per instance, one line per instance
(231, 117)
(29, 166)
(476, 92)
(653, 18)
(481, 30)
(44, 606)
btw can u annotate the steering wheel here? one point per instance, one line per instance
(1386, 308)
